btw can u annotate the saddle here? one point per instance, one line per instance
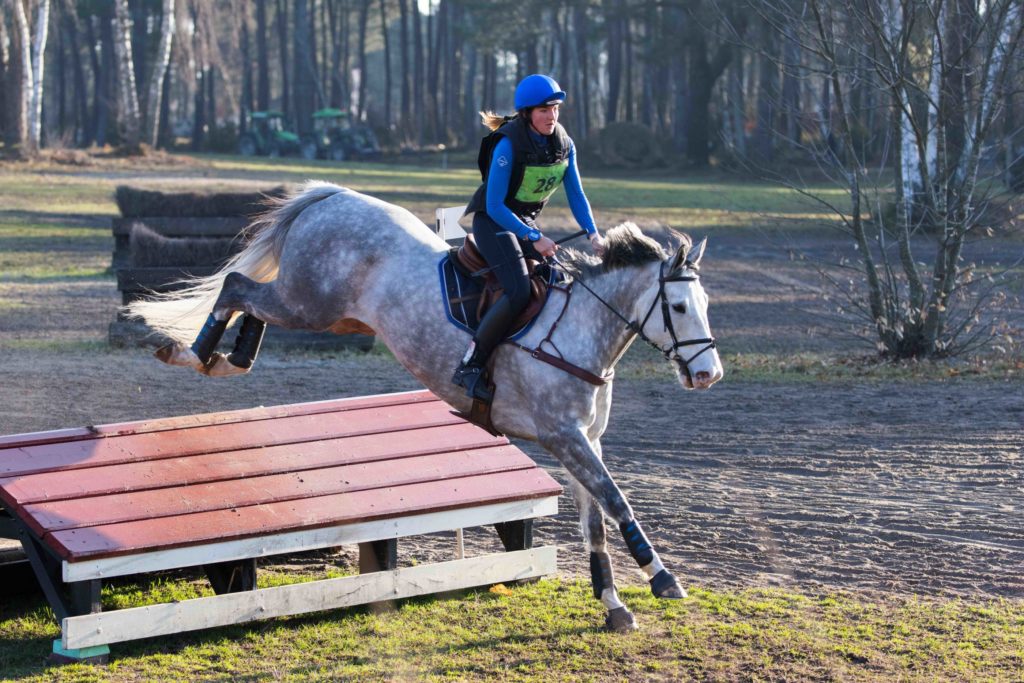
(470, 295)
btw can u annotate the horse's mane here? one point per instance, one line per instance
(627, 247)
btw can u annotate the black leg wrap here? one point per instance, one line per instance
(206, 343)
(601, 575)
(639, 547)
(247, 344)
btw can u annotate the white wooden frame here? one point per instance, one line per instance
(234, 608)
(105, 628)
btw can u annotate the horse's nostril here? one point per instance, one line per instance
(703, 376)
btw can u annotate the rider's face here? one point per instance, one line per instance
(543, 119)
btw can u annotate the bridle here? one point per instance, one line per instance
(671, 353)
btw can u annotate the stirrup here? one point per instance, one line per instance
(471, 378)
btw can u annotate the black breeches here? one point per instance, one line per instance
(504, 251)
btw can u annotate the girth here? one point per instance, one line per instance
(469, 259)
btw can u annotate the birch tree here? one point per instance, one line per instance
(35, 111)
(128, 96)
(156, 80)
(916, 306)
(22, 59)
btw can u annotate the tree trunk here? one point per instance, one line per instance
(469, 95)
(405, 90)
(156, 79)
(767, 97)
(703, 74)
(418, 112)
(282, 40)
(83, 121)
(364, 12)
(614, 42)
(580, 27)
(102, 67)
(304, 78)
(246, 102)
(128, 99)
(387, 63)
(20, 135)
(6, 88)
(262, 58)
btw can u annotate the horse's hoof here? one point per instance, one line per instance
(664, 585)
(220, 366)
(176, 354)
(620, 620)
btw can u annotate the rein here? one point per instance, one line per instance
(670, 353)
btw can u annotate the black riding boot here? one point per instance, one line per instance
(471, 374)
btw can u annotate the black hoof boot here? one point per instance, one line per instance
(664, 585)
(472, 378)
(206, 343)
(620, 620)
(247, 345)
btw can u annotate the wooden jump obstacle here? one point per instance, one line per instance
(223, 489)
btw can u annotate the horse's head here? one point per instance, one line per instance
(673, 315)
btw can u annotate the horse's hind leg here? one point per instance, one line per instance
(259, 302)
(619, 618)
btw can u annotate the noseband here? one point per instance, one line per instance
(671, 352)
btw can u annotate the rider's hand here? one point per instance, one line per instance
(598, 243)
(545, 246)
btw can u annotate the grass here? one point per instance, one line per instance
(549, 630)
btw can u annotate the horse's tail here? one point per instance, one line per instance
(180, 314)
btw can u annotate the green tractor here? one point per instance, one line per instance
(266, 136)
(337, 138)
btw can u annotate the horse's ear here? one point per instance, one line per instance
(696, 254)
(681, 243)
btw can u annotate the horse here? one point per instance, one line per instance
(326, 257)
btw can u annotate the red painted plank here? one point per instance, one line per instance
(212, 438)
(222, 495)
(346, 508)
(224, 417)
(236, 464)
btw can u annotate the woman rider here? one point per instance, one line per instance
(526, 157)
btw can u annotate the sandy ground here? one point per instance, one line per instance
(908, 487)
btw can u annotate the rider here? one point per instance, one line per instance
(523, 161)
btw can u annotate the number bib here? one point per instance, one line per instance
(540, 182)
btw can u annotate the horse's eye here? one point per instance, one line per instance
(679, 308)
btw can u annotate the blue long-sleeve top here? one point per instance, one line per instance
(500, 175)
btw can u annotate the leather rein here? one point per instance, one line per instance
(671, 353)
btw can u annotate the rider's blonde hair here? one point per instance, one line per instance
(493, 120)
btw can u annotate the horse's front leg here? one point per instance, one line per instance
(602, 578)
(583, 462)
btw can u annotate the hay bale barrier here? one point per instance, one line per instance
(134, 202)
(163, 238)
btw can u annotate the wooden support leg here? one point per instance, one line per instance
(66, 599)
(232, 577)
(378, 556)
(517, 535)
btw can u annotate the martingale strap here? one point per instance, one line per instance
(559, 361)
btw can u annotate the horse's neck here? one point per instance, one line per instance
(620, 289)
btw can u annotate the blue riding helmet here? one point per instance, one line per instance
(536, 90)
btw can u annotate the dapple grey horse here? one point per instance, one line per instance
(327, 254)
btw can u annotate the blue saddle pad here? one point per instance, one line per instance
(461, 293)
